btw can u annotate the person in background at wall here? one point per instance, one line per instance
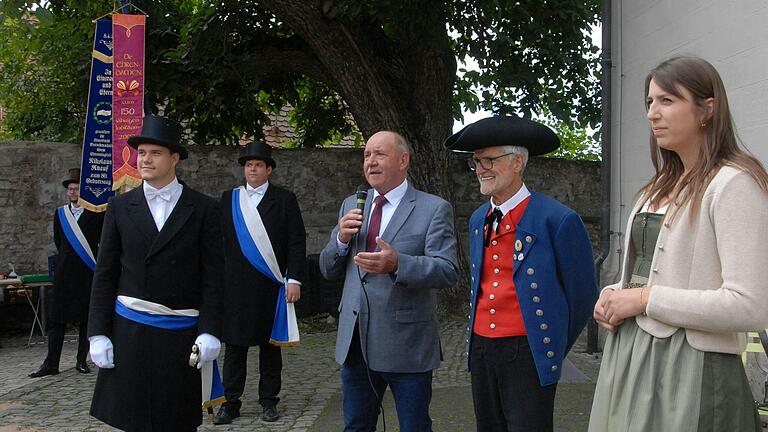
(393, 256)
(76, 233)
(156, 293)
(533, 281)
(250, 296)
(694, 270)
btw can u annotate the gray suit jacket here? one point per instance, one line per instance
(397, 313)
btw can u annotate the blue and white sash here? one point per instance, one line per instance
(257, 248)
(161, 316)
(75, 236)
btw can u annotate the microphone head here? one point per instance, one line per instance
(362, 194)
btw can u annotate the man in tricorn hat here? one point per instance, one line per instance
(533, 280)
(155, 293)
(76, 233)
(258, 213)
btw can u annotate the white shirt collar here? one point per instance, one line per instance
(261, 190)
(395, 195)
(173, 187)
(516, 199)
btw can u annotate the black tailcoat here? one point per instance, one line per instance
(152, 387)
(68, 301)
(249, 296)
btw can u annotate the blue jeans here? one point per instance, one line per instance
(412, 393)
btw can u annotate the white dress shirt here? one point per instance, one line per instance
(76, 211)
(162, 201)
(393, 200)
(511, 203)
(255, 194)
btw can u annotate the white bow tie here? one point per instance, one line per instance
(251, 192)
(153, 194)
(76, 210)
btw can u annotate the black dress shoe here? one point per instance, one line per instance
(82, 368)
(226, 414)
(44, 371)
(270, 414)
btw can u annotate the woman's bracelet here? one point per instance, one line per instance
(643, 304)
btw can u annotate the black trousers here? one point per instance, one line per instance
(56, 342)
(505, 387)
(235, 371)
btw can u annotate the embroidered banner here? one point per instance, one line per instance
(257, 248)
(96, 163)
(127, 96)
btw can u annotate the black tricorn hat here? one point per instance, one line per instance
(258, 150)
(160, 131)
(504, 130)
(72, 177)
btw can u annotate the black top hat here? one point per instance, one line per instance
(160, 131)
(504, 130)
(257, 150)
(72, 177)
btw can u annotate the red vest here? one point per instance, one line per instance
(498, 311)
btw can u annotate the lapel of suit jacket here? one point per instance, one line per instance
(267, 202)
(175, 221)
(401, 213)
(85, 218)
(403, 210)
(477, 237)
(523, 233)
(139, 213)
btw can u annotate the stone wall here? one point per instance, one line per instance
(31, 175)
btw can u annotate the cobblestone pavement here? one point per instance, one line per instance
(310, 380)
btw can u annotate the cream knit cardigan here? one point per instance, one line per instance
(710, 277)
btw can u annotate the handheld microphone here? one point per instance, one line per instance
(362, 194)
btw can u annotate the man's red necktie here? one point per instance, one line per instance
(375, 224)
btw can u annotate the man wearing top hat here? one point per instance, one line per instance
(76, 233)
(155, 293)
(533, 279)
(259, 210)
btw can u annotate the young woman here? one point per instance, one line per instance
(695, 270)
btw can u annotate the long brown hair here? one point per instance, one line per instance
(720, 146)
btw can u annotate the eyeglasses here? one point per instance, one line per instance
(486, 163)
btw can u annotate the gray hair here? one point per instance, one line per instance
(517, 150)
(402, 143)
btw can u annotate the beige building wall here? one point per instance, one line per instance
(730, 34)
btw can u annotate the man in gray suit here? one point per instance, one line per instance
(393, 256)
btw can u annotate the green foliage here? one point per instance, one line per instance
(225, 66)
(532, 57)
(576, 142)
(44, 67)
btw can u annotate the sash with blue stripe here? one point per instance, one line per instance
(257, 249)
(160, 316)
(75, 236)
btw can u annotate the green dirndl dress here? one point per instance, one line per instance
(650, 384)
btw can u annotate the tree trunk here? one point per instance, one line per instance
(398, 76)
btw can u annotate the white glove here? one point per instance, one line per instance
(209, 347)
(102, 352)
